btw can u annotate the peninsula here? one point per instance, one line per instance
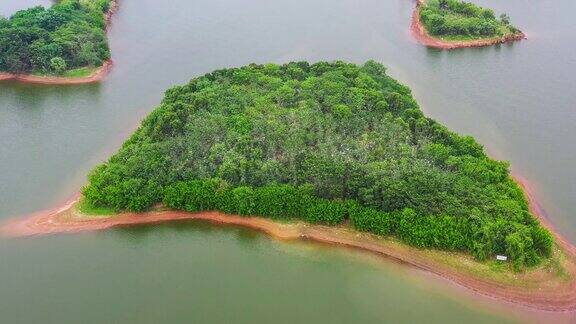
(450, 24)
(63, 44)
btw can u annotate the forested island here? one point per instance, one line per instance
(325, 143)
(461, 24)
(66, 40)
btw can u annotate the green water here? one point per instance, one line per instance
(198, 273)
(515, 99)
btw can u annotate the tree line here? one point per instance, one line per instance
(285, 202)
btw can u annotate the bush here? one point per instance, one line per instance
(323, 211)
(372, 220)
(278, 201)
(195, 195)
(57, 65)
(241, 201)
(542, 240)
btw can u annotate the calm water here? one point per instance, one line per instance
(517, 100)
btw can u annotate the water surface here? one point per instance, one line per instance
(515, 99)
(198, 273)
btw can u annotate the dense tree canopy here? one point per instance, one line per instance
(456, 18)
(68, 35)
(325, 143)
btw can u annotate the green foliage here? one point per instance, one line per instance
(372, 220)
(195, 195)
(57, 65)
(39, 40)
(519, 248)
(456, 18)
(542, 240)
(275, 201)
(324, 143)
(323, 211)
(438, 231)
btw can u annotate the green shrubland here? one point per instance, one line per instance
(463, 20)
(327, 143)
(68, 35)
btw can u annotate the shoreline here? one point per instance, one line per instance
(98, 75)
(423, 37)
(536, 290)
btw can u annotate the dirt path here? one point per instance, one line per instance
(422, 36)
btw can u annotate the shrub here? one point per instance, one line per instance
(371, 220)
(323, 211)
(57, 65)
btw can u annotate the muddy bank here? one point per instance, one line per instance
(539, 289)
(96, 76)
(422, 36)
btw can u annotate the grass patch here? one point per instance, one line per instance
(80, 72)
(550, 273)
(464, 38)
(74, 73)
(86, 208)
(555, 264)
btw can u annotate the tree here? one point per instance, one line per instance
(443, 4)
(505, 19)
(58, 65)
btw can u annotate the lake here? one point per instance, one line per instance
(515, 99)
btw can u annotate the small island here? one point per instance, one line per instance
(449, 24)
(332, 152)
(63, 44)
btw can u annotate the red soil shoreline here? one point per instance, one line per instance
(556, 298)
(98, 75)
(423, 37)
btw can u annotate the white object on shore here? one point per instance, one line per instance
(501, 257)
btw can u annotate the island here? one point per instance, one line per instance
(63, 44)
(332, 152)
(450, 24)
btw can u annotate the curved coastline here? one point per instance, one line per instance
(98, 75)
(541, 295)
(423, 37)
